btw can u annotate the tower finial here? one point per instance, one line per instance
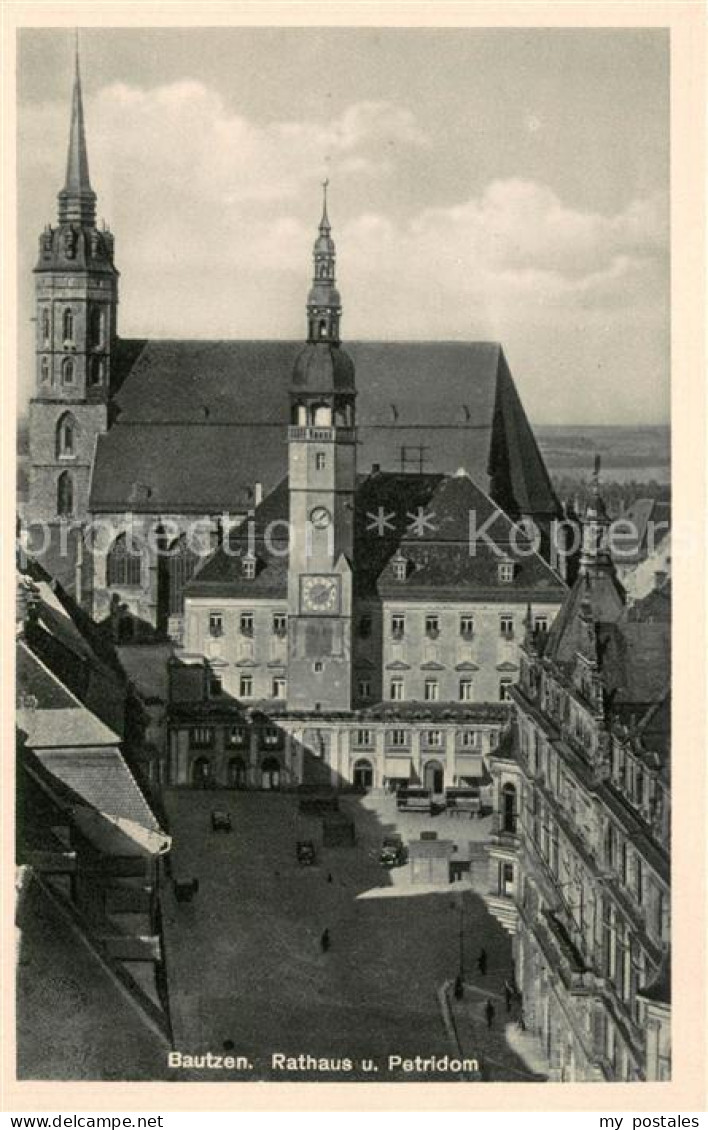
(324, 222)
(77, 200)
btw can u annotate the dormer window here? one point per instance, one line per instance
(249, 567)
(505, 572)
(400, 567)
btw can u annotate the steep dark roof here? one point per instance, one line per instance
(441, 560)
(602, 596)
(448, 396)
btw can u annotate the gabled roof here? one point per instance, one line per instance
(198, 423)
(600, 597)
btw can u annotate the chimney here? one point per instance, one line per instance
(375, 468)
(258, 493)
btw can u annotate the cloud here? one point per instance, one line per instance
(214, 221)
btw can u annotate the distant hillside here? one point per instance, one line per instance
(641, 454)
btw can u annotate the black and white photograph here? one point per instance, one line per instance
(343, 561)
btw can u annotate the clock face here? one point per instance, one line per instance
(320, 594)
(320, 517)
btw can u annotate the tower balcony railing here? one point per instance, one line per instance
(316, 434)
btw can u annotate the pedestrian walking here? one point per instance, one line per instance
(482, 962)
(508, 995)
(324, 941)
(489, 1013)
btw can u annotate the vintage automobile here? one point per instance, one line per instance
(305, 852)
(220, 820)
(393, 851)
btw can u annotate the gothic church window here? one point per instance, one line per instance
(68, 326)
(66, 437)
(67, 370)
(65, 495)
(98, 326)
(46, 326)
(124, 564)
(44, 368)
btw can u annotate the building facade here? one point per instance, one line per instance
(579, 860)
(371, 622)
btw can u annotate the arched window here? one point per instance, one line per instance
(323, 328)
(44, 368)
(182, 564)
(96, 371)
(68, 370)
(66, 436)
(46, 326)
(321, 415)
(323, 270)
(98, 325)
(124, 564)
(68, 325)
(65, 495)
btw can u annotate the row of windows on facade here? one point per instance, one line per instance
(96, 370)
(618, 856)
(642, 789)
(97, 326)
(397, 689)
(239, 737)
(364, 627)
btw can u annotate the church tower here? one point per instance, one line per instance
(322, 481)
(76, 306)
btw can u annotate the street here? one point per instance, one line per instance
(246, 970)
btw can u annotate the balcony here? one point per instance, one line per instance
(311, 434)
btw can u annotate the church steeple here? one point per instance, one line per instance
(596, 556)
(324, 303)
(77, 200)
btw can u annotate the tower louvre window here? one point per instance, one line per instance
(68, 327)
(46, 326)
(65, 495)
(66, 437)
(44, 369)
(96, 370)
(68, 370)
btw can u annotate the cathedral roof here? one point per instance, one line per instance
(198, 423)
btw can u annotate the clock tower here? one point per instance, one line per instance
(322, 479)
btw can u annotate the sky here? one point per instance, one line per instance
(485, 185)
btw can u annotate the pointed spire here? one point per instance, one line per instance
(324, 305)
(325, 227)
(77, 200)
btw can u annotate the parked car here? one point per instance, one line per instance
(393, 851)
(220, 820)
(305, 851)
